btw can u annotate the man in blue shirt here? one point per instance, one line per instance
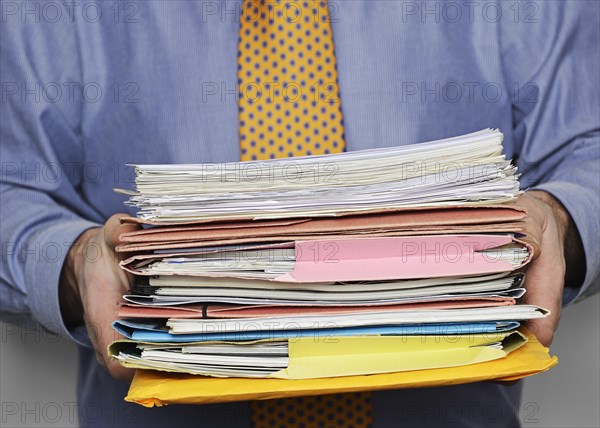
(88, 87)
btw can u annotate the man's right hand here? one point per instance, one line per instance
(92, 284)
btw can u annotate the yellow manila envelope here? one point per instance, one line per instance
(150, 387)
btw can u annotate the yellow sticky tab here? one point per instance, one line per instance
(348, 356)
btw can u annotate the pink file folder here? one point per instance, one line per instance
(386, 258)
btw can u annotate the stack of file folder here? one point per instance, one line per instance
(375, 269)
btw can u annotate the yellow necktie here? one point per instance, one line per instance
(289, 105)
(289, 102)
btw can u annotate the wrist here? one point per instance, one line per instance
(568, 236)
(71, 304)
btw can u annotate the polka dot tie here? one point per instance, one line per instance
(289, 105)
(352, 410)
(289, 102)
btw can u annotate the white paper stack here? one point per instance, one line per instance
(465, 170)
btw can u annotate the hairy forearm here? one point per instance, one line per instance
(572, 244)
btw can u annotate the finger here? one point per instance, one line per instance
(544, 283)
(532, 236)
(113, 229)
(114, 367)
(531, 240)
(535, 223)
(117, 371)
(544, 328)
(541, 281)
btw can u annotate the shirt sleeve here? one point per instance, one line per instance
(42, 211)
(551, 63)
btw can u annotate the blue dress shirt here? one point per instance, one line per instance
(89, 86)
